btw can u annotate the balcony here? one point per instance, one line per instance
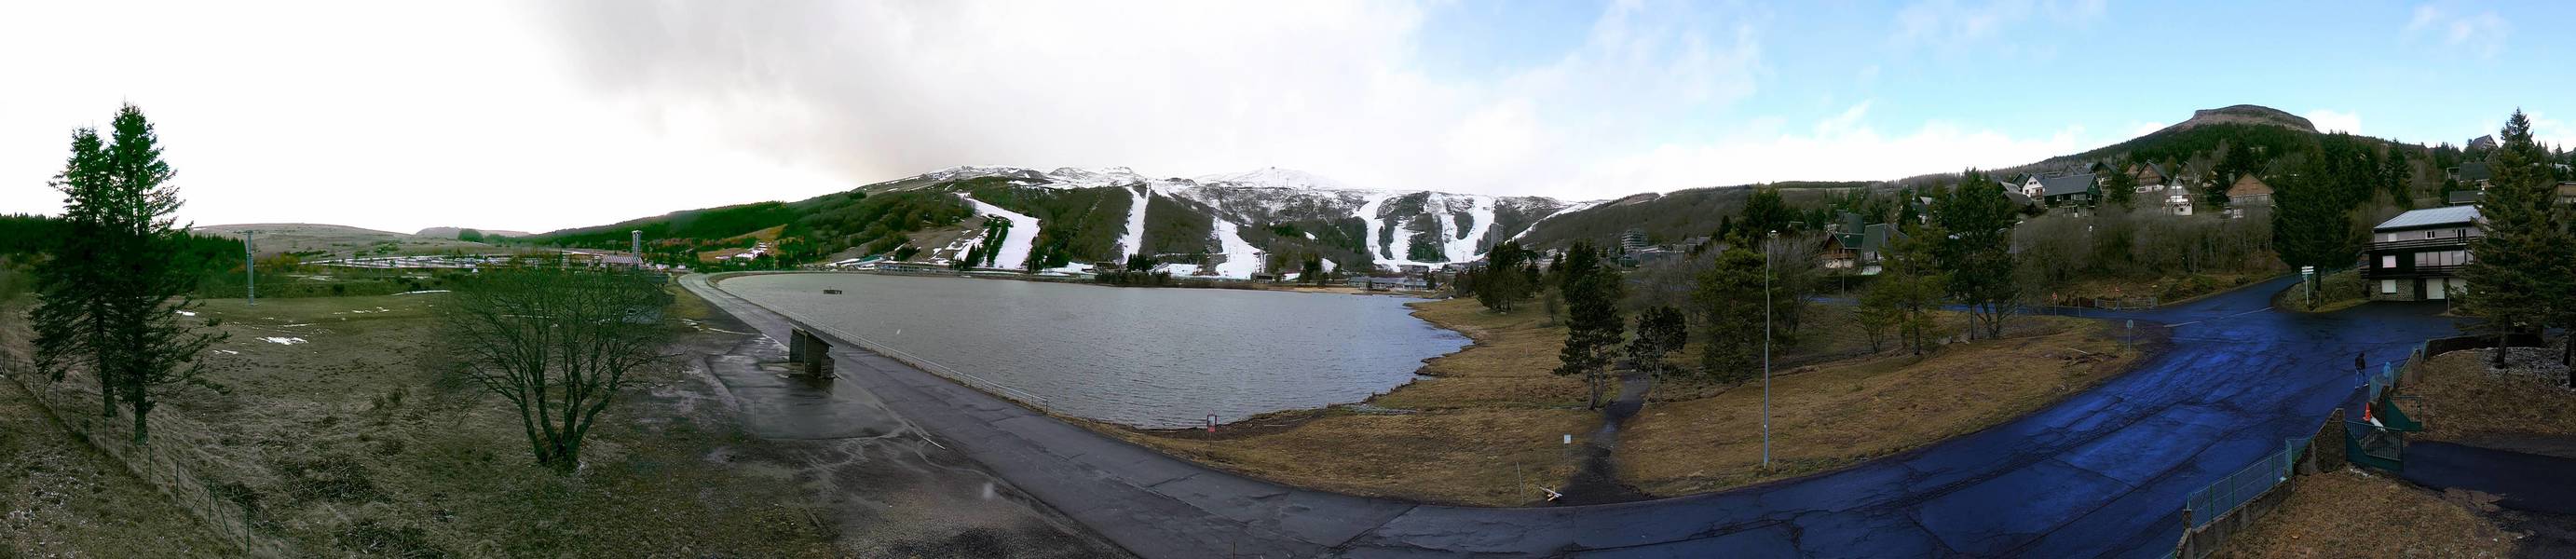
(2411, 244)
(2427, 271)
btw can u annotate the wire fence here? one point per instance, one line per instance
(2215, 501)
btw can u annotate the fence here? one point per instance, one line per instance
(165, 464)
(2213, 502)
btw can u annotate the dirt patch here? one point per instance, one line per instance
(1832, 415)
(2351, 513)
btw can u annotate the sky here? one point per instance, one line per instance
(552, 114)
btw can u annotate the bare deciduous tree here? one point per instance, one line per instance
(558, 343)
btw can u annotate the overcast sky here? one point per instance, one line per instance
(542, 115)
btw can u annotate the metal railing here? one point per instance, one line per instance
(2215, 501)
(935, 368)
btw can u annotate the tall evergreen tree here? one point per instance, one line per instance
(2519, 279)
(2311, 223)
(1765, 212)
(1592, 331)
(1501, 283)
(2120, 188)
(132, 264)
(1728, 298)
(67, 320)
(1975, 254)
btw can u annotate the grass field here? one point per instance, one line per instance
(1485, 425)
(2351, 513)
(338, 241)
(2459, 400)
(338, 433)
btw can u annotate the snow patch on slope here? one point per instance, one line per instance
(1016, 241)
(1241, 258)
(1133, 241)
(1275, 177)
(1368, 215)
(1578, 206)
(1463, 247)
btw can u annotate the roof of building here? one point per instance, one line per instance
(2475, 171)
(2249, 186)
(2065, 185)
(2460, 197)
(2431, 217)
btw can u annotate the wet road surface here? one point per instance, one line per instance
(2101, 474)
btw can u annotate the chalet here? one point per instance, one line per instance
(2463, 197)
(2062, 189)
(1860, 251)
(2153, 178)
(1382, 283)
(2417, 255)
(2248, 192)
(2567, 192)
(2482, 142)
(2474, 173)
(2178, 201)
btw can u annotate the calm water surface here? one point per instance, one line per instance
(1145, 357)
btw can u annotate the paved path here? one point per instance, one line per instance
(2099, 474)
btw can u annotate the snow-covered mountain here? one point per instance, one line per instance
(1233, 224)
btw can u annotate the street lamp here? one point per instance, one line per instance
(1766, 350)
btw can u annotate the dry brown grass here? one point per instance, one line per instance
(1479, 456)
(2353, 514)
(2458, 398)
(1839, 413)
(61, 498)
(1487, 425)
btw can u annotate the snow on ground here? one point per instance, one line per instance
(283, 341)
(420, 292)
(1133, 241)
(1241, 259)
(1578, 206)
(1463, 249)
(1016, 242)
(1275, 177)
(1368, 215)
(186, 313)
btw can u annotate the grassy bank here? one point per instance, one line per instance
(2351, 513)
(1838, 413)
(2460, 400)
(61, 498)
(1485, 425)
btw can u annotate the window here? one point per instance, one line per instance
(2388, 286)
(2387, 261)
(2431, 234)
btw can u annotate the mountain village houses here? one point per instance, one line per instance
(2417, 255)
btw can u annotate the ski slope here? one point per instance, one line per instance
(1133, 241)
(1241, 259)
(1015, 242)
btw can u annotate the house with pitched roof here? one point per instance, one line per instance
(2417, 255)
(2248, 192)
(1859, 250)
(2473, 173)
(2061, 189)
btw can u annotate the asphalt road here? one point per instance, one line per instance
(2103, 473)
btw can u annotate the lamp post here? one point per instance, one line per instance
(1766, 350)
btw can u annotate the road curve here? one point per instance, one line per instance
(2100, 474)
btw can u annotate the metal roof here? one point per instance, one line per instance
(2064, 185)
(2451, 215)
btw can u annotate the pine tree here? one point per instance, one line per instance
(1975, 254)
(2311, 225)
(1728, 298)
(1660, 331)
(2519, 279)
(2120, 189)
(1764, 213)
(130, 263)
(1502, 284)
(1593, 329)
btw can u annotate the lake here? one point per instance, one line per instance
(1154, 358)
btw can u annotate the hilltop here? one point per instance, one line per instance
(452, 232)
(313, 241)
(1237, 224)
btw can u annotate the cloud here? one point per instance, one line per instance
(2331, 121)
(873, 91)
(1958, 22)
(2482, 33)
(1840, 147)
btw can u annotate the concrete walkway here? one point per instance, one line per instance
(2102, 473)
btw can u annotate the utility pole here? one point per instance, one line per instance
(1766, 351)
(250, 268)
